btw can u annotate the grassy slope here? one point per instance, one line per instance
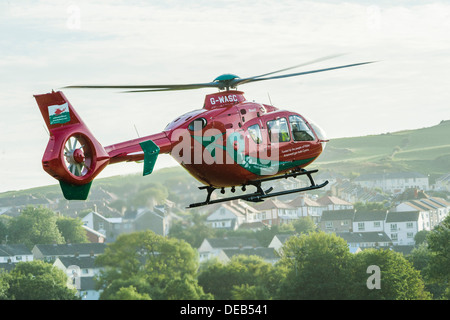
(425, 150)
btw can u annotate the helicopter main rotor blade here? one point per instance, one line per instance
(165, 89)
(293, 67)
(236, 82)
(153, 87)
(222, 82)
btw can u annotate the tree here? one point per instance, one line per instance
(72, 230)
(34, 226)
(151, 264)
(37, 280)
(398, 279)
(370, 206)
(421, 236)
(316, 267)
(420, 258)
(3, 231)
(304, 225)
(4, 285)
(149, 195)
(129, 293)
(194, 233)
(244, 276)
(438, 243)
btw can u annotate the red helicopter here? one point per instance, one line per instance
(229, 143)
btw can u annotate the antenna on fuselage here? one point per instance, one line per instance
(270, 99)
(136, 131)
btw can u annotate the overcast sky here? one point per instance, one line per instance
(46, 45)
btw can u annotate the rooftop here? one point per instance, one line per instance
(402, 216)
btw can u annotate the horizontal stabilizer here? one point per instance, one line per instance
(151, 152)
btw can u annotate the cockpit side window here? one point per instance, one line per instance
(300, 130)
(255, 133)
(278, 130)
(197, 124)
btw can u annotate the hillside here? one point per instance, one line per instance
(425, 150)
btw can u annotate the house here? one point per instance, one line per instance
(213, 247)
(369, 221)
(106, 226)
(225, 216)
(49, 252)
(275, 212)
(401, 227)
(331, 177)
(157, 219)
(307, 207)
(233, 214)
(353, 192)
(436, 208)
(443, 183)
(334, 203)
(11, 254)
(337, 220)
(278, 241)
(80, 272)
(358, 241)
(94, 236)
(394, 182)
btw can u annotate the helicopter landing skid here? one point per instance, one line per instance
(261, 194)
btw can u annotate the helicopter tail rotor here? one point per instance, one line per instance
(73, 156)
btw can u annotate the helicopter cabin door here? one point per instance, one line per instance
(278, 136)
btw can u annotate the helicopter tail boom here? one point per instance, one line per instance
(73, 155)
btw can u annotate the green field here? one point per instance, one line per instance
(425, 150)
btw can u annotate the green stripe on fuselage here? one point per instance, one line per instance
(255, 165)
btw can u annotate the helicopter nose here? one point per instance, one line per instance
(320, 133)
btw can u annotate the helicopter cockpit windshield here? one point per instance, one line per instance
(319, 133)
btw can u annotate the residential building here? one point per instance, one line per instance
(307, 207)
(394, 182)
(402, 227)
(157, 219)
(331, 177)
(278, 241)
(234, 214)
(275, 212)
(11, 254)
(337, 221)
(352, 192)
(213, 247)
(225, 216)
(334, 203)
(362, 240)
(80, 272)
(443, 183)
(106, 226)
(436, 208)
(94, 236)
(50, 252)
(369, 221)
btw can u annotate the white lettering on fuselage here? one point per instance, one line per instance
(223, 99)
